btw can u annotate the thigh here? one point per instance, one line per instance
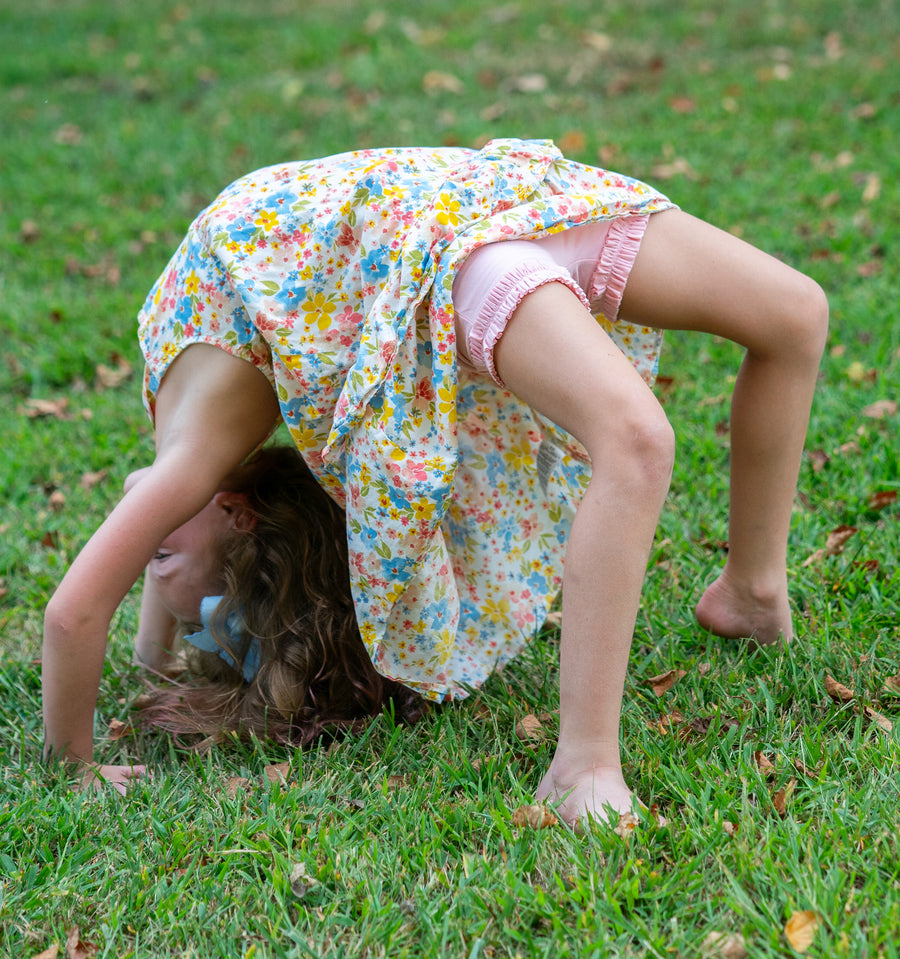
(557, 358)
(689, 275)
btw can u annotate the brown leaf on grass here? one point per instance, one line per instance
(838, 691)
(77, 948)
(677, 167)
(892, 685)
(29, 231)
(880, 409)
(800, 929)
(834, 544)
(278, 773)
(729, 828)
(536, 816)
(439, 81)
(109, 377)
(50, 539)
(882, 499)
(781, 797)
(235, 785)
(723, 945)
(529, 83)
(301, 880)
(626, 825)
(819, 460)
(50, 953)
(662, 683)
(878, 718)
(396, 781)
(55, 409)
(89, 480)
(530, 728)
(682, 104)
(572, 141)
(68, 135)
(56, 500)
(765, 765)
(666, 724)
(118, 730)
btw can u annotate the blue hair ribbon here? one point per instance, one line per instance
(234, 628)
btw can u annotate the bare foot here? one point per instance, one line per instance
(740, 612)
(595, 793)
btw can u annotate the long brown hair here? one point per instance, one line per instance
(288, 584)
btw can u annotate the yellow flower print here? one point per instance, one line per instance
(518, 456)
(447, 210)
(496, 612)
(191, 283)
(423, 509)
(318, 309)
(447, 401)
(169, 351)
(304, 438)
(267, 219)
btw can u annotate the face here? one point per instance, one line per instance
(188, 564)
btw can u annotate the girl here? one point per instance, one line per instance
(461, 345)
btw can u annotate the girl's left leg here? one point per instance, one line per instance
(555, 357)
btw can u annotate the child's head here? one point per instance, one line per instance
(272, 543)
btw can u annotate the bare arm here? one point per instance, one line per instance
(212, 410)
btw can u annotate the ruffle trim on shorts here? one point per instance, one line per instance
(502, 302)
(617, 256)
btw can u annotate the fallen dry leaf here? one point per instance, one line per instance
(109, 377)
(56, 500)
(535, 816)
(765, 765)
(800, 929)
(277, 773)
(76, 947)
(439, 81)
(834, 544)
(530, 728)
(880, 409)
(838, 691)
(728, 827)
(395, 782)
(301, 880)
(50, 953)
(879, 719)
(235, 785)
(892, 685)
(723, 945)
(665, 681)
(57, 409)
(118, 730)
(626, 825)
(882, 498)
(89, 480)
(781, 797)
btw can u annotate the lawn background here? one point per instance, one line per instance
(777, 120)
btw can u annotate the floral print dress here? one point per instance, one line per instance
(333, 277)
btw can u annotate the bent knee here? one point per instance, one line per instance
(639, 447)
(803, 324)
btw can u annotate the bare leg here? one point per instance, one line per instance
(689, 275)
(555, 357)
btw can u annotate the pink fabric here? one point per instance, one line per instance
(593, 261)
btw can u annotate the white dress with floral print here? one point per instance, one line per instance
(333, 277)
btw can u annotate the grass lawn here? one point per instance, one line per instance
(777, 120)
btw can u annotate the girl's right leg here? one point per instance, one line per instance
(690, 275)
